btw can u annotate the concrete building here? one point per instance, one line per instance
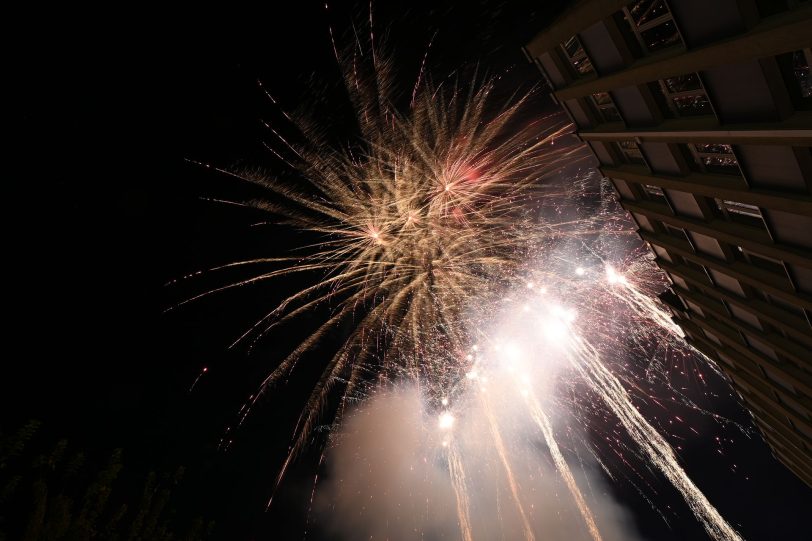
(700, 112)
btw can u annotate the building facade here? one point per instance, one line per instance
(700, 112)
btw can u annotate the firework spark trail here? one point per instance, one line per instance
(499, 446)
(646, 307)
(538, 415)
(641, 303)
(457, 475)
(588, 362)
(559, 335)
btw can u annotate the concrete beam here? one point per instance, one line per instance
(781, 33)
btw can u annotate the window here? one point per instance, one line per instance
(654, 193)
(743, 315)
(715, 158)
(729, 362)
(652, 24)
(606, 107)
(803, 429)
(788, 306)
(678, 281)
(794, 405)
(661, 252)
(800, 68)
(643, 222)
(741, 213)
(577, 57)
(697, 268)
(695, 308)
(795, 69)
(777, 377)
(726, 282)
(763, 262)
(712, 337)
(630, 152)
(685, 95)
(677, 232)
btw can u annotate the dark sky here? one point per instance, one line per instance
(103, 211)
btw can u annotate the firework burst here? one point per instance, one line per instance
(436, 210)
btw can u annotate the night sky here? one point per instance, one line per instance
(105, 209)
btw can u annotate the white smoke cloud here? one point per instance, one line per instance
(388, 478)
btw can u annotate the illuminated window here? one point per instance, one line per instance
(685, 95)
(715, 158)
(652, 24)
(576, 55)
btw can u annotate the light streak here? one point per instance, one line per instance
(499, 446)
(648, 439)
(561, 465)
(457, 474)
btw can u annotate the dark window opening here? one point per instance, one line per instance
(576, 56)
(788, 306)
(660, 37)
(652, 25)
(630, 152)
(795, 70)
(696, 267)
(800, 68)
(678, 233)
(606, 107)
(654, 193)
(763, 262)
(741, 213)
(682, 83)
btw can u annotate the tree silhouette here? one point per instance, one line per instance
(60, 495)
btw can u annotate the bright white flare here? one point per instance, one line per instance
(555, 323)
(446, 421)
(613, 277)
